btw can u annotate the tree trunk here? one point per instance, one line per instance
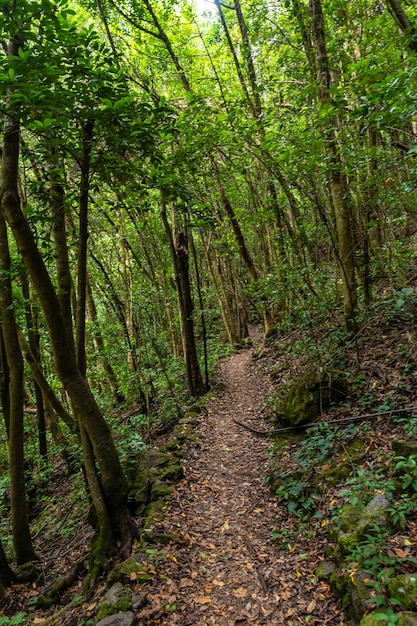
(100, 348)
(33, 336)
(6, 574)
(404, 23)
(4, 382)
(337, 179)
(82, 248)
(22, 541)
(179, 255)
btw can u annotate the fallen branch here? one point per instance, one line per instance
(355, 418)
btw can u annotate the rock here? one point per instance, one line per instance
(404, 589)
(375, 514)
(173, 472)
(172, 446)
(403, 619)
(121, 619)
(160, 490)
(309, 395)
(403, 447)
(117, 599)
(152, 511)
(354, 522)
(358, 598)
(150, 537)
(139, 600)
(131, 569)
(407, 619)
(325, 570)
(369, 620)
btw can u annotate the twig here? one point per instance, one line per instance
(354, 418)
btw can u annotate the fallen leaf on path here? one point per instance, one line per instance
(401, 553)
(311, 606)
(202, 599)
(240, 592)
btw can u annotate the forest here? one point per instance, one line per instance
(208, 208)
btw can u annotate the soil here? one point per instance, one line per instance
(225, 568)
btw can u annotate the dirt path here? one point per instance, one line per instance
(225, 568)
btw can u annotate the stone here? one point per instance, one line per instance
(403, 447)
(369, 620)
(116, 600)
(407, 619)
(404, 589)
(160, 490)
(120, 619)
(173, 472)
(150, 537)
(130, 569)
(325, 570)
(310, 394)
(375, 514)
(354, 522)
(183, 431)
(139, 600)
(404, 618)
(358, 598)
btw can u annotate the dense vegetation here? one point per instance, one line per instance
(170, 177)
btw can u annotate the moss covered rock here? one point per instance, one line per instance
(160, 490)
(404, 618)
(310, 394)
(325, 570)
(131, 569)
(118, 599)
(404, 447)
(172, 472)
(404, 589)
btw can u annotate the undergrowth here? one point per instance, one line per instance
(332, 468)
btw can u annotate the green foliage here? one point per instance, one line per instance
(16, 620)
(406, 470)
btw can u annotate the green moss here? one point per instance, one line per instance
(183, 431)
(45, 602)
(160, 490)
(173, 472)
(358, 596)
(131, 569)
(404, 589)
(369, 620)
(153, 511)
(347, 541)
(325, 570)
(311, 393)
(151, 538)
(407, 619)
(117, 599)
(171, 446)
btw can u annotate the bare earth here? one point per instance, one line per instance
(225, 568)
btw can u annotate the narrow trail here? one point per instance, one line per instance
(225, 568)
